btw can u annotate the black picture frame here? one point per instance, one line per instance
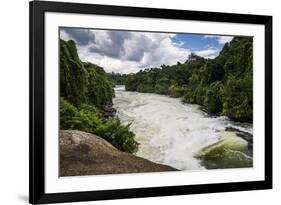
(37, 194)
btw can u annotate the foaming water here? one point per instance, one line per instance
(170, 132)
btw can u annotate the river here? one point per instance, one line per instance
(170, 132)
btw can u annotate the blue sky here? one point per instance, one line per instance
(196, 42)
(129, 52)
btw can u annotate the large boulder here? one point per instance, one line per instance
(83, 153)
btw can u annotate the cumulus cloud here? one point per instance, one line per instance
(109, 43)
(220, 39)
(81, 36)
(126, 52)
(210, 53)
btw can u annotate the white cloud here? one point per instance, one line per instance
(224, 39)
(220, 39)
(110, 64)
(210, 53)
(127, 52)
(64, 35)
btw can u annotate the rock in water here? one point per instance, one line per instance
(109, 111)
(83, 153)
(231, 151)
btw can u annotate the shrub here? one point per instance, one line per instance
(162, 87)
(118, 135)
(88, 118)
(238, 99)
(213, 98)
(176, 91)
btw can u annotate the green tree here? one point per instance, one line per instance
(222, 85)
(72, 70)
(213, 98)
(85, 91)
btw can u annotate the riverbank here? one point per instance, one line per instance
(83, 153)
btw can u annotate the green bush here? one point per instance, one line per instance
(189, 96)
(100, 89)
(200, 93)
(68, 113)
(162, 86)
(144, 88)
(238, 99)
(176, 91)
(118, 135)
(213, 98)
(88, 118)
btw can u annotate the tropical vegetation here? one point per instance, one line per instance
(222, 86)
(85, 94)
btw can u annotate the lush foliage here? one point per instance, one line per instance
(82, 82)
(89, 119)
(85, 91)
(223, 86)
(117, 78)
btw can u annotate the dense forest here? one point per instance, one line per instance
(86, 96)
(223, 86)
(117, 78)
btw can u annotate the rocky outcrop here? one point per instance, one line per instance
(244, 135)
(230, 151)
(109, 111)
(83, 153)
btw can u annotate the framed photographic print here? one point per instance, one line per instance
(141, 102)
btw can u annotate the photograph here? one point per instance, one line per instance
(133, 101)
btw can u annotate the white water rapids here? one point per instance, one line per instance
(170, 132)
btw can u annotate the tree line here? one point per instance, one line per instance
(222, 86)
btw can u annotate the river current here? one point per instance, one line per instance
(170, 132)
